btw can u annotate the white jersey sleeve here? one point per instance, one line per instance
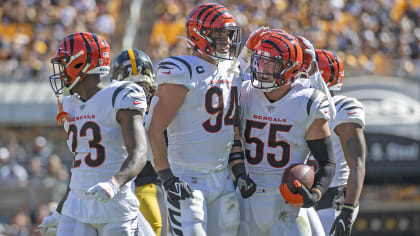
(317, 107)
(129, 96)
(318, 82)
(349, 110)
(174, 70)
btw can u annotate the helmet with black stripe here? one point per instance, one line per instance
(212, 30)
(133, 65)
(276, 61)
(331, 68)
(78, 55)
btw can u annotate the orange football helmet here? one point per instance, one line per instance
(291, 198)
(77, 55)
(331, 68)
(212, 30)
(279, 57)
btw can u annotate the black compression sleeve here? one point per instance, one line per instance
(322, 151)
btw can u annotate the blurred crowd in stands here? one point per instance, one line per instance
(31, 29)
(34, 174)
(371, 36)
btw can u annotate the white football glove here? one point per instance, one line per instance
(104, 191)
(315, 76)
(309, 60)
(49, 225)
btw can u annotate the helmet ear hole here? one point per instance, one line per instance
(282, 81)
(78, 65)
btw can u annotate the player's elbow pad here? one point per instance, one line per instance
(322, 151)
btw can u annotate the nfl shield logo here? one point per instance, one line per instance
(270, 109)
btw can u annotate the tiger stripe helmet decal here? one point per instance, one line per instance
(77, 55)
(206, 19)
(283, 50)
(331, 68)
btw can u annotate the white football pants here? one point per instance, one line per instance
(266, 213)
(135, 227)
(213, 210)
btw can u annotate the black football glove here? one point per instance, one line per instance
(310, 197)
(175, 189)
(343, 223)
(244, 183)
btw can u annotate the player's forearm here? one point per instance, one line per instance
(355, 153)
(135, 142)
(236, 147)
(355, 183)
(132, 166)
(158, 145)
(63, 199)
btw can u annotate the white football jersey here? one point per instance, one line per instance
(201, 133)
(349, 110)
(94, 137)
(273, 133)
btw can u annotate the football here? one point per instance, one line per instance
(304, 173)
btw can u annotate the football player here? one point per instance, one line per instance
(196, 101)
(135, 65)
(280, 124)
(338, 208)
(106, 136)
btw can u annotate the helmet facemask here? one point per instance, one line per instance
(222, 43)
(269, 73)
(60, 81)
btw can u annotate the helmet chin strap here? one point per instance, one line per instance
(267, 90)
(265, 86)
(220, 57)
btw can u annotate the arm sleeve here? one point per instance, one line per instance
(322, 151)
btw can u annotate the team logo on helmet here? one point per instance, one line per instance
(133, 65)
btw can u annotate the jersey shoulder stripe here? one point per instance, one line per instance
(164, 65)
(176, 70)
(185, 63)
(348, 104)
(324, 103)
(132, 89)
(315, 94)
(118, 90)
(339, 100)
